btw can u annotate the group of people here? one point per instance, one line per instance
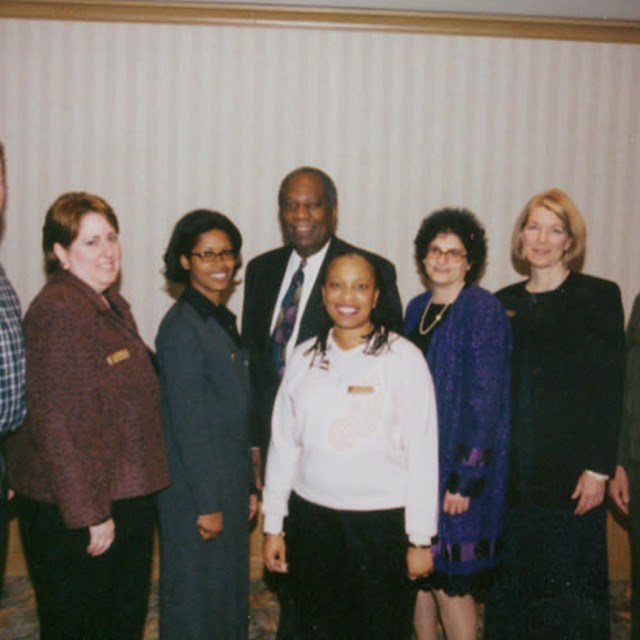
(409, 464)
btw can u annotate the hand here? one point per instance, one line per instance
(101, 537)
(419, 562)
(10, 494)
(253, 505)
(256, 463)
(274, 552)
(455, 504)
(210, 525)
(619, 489)
(589, 492)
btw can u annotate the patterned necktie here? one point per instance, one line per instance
(286, 319)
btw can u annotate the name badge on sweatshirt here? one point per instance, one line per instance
(357, 388)
(118, 356)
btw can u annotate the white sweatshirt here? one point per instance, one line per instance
(357, 433)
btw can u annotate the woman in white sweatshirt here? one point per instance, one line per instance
(353, 467)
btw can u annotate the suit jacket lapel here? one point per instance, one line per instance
(272, 281)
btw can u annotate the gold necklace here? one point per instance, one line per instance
(439, 316)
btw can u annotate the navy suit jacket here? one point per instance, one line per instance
(263, 279)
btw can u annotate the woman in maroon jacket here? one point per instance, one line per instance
(90, 453)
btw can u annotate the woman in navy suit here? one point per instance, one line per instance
(567, 380)
(205, 405)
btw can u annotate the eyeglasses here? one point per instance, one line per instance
(452, 255)
(228, 255)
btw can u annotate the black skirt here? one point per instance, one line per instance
(554, 584)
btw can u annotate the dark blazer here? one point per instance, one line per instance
(629, 447)
(262, 284)
(205, 409)
(569, 348)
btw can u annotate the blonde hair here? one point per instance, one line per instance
(562, 205)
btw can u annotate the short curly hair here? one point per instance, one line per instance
(465, 225)
(185, 237)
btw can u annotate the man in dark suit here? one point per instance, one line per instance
(308, 210)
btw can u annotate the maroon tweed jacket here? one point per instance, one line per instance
(93, 430)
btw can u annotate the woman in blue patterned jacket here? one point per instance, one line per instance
(464, 333)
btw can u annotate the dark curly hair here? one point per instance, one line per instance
(185, 237)
(462, 223)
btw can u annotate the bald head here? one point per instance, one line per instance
(308, 206)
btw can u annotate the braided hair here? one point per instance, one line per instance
(376, 340)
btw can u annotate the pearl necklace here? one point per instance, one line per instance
(439, 316)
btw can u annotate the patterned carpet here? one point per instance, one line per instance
(18, 619)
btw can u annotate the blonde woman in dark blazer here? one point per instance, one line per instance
(567, 374)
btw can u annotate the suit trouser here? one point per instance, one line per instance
(634, 513)
(5, 514)
(84, 597)
(4, 530)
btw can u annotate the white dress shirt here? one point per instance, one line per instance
(311, 271)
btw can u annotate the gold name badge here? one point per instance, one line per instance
(355, 388)
(118, 356)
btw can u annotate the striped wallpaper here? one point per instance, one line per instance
(160, 119)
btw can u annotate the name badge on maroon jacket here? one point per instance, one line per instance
(118, 356)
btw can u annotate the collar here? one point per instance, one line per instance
(201, 303)
(105, 302)
(206, 309)
(314, 261)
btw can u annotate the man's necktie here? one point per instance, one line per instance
(286, 319)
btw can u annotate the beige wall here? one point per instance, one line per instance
(162, 118)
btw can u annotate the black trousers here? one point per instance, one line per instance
(347, 574)
(4, 530)
(81, 597)
(634, 514)
(5, 514)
